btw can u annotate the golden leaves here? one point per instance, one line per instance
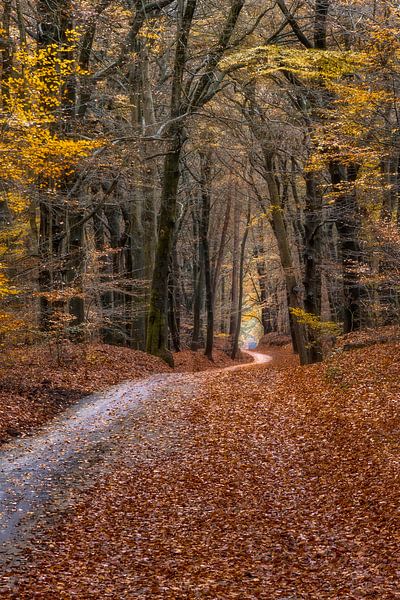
(315, 324)
(30, 146)
(5, 288)
(264, 61)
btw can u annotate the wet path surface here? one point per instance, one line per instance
(67, 454)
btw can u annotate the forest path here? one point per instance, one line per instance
(257, 483)
(43, 474)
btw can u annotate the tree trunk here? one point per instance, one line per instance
(198, 287)
(221, 248)
(235, 268)
(157, 332)
(235, 345)
(174, 301)
(105, 275)
(204, 227)
(117, 324)
(312, 262)
(292, 284)
(348, 226)
(74, 272)
(259, 253)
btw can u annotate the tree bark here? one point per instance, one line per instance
(74, 272)
(204, 227)
(235, 268)
(312, 261)
(259, 253)
(174, 301)
(348, 226)
(236, 335)
(157, 331)
(292, 284)
(198, 286)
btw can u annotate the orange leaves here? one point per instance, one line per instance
(33, 387)
(268, 483)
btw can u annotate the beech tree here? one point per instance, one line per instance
(177, 174)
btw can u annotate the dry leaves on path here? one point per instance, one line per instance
(266, 483)
(34, 387)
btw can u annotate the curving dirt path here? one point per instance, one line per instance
(254, 483)
(39, 475)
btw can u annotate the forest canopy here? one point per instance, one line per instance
(175, 172)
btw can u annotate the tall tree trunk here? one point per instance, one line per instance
(235, 268)
(312, 261)
(174, 301)
(292, 284)
(74, 271)
(105, 276)
(204, 227)
(259, 255)
(135, 271)
(236, 335)
(198, 286)
(348, 226)
(157, 331)
(117, 334)
(221, 248)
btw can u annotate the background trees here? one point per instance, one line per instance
(170, 166)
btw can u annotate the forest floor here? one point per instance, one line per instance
(271, 482)
(40, 381)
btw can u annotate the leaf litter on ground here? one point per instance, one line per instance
(275, 483)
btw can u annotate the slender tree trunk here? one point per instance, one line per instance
(223, 326)
(74, 272)
(386, 292)
(204, 228)
(198, 287)
(236, 335)
(259, 254)
(221, 248)
(117, 334)
(44, 278)
(174, 301)
(105, 275)
(235, 268)
(135, 272)
(312, 261)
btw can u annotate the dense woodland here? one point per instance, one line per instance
(186, 186)
(177, 171)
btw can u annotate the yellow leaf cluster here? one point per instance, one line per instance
(264, 61)
(30, 146)
(5, 288)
